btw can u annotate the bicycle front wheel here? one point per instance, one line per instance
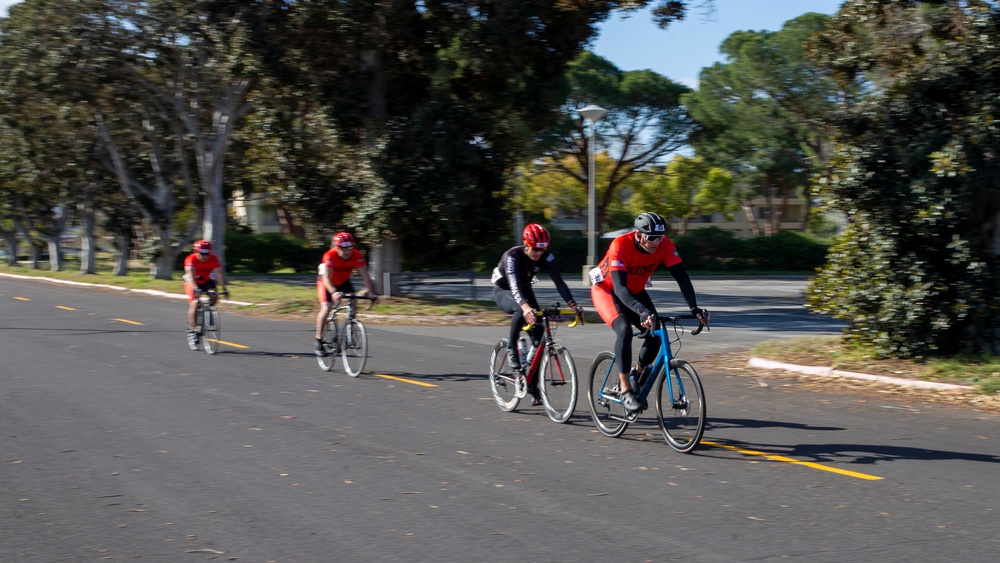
(602, 393)
(354, 347)
(680, 406)
(557, 384)
(503, 381)
(212, 330)
(329, 346)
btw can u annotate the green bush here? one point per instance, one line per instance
(716, 250)
(263, 253)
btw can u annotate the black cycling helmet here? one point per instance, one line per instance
(650, 224)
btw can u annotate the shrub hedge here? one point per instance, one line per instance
(703, 250)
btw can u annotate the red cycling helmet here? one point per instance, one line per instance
(343, 240)
(536, 236)
(203, 246)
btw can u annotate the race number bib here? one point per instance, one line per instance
(596, 276)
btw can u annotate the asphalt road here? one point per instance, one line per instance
(118, 443)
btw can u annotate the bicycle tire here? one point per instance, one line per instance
(682, 417)
(212, 334)
(606, 409)
(503, 382)
(354, 347)
(330, 346)
(558, 384)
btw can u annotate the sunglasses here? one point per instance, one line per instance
(654, 238)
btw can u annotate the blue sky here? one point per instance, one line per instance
(684, 48)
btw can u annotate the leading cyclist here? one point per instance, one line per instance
(620, 297)
(334, 280)
(512, 279)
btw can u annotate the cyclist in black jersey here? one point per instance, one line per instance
(512, 290)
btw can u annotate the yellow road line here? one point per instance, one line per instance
(233, 344)
(404, 380)
(22, 299)
(813, 465)
(65, 308)
(127, 321)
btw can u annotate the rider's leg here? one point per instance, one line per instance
(505, 300)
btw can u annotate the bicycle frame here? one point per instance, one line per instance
(664, 357)
(548, 341)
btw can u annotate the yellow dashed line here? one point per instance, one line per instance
(127, 321)
(22, 299)
(404, 380)
(813, 465)
(233, 344)
(65, 308)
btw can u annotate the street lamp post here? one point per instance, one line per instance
(593, 114)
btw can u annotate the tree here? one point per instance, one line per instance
(53, 124)
(758, 115)
(689, 188)
(645, 122)
(916, 171)
(442, 100)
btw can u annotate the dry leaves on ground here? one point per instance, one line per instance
(737, 364)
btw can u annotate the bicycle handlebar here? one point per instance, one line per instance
(673, 320)
(556, 312)
(369, 298)
(199, 291)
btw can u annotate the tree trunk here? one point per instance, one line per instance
(747, 208)
(123, 247)
(87, 248)
(10, 240)
(385, 258)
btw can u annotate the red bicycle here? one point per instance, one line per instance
(552, 365)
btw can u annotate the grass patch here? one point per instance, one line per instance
(983, 373)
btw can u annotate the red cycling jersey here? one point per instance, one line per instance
(202, 270)
(340, 269)
(623, 255)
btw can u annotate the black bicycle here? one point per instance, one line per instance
(552, 366)
(346, 336)
(208, 322)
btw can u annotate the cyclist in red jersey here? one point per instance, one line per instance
(620, 297)
(334, 280)
(202, 270)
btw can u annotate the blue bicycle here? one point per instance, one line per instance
(680, 397)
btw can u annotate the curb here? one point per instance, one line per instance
(153, 292)
(830, 372)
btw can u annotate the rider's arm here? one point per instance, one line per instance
(220, 276)
(369, 282)
(619, 280)
(327, 280)
(553, 269)
(679, 272)
(514, 278)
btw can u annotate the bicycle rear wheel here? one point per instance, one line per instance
(680, 407)
(211, 330)
(354, 347)
(503, 381)
(330, 346)
(557, 384)
(602, 393)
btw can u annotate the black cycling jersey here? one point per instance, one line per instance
(516, 270)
